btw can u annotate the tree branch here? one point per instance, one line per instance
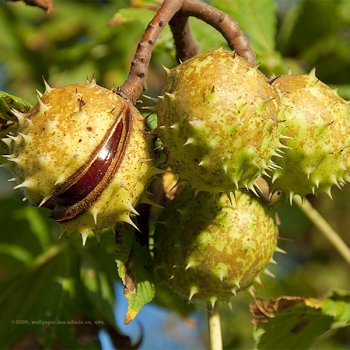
(222, 22)
(327, 231)
(134, 84)
(46, 5)
(185, 44)
(214, 327)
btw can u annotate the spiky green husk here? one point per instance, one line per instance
(210, 247)
(317, 122)
(217, 121)
(59, 135)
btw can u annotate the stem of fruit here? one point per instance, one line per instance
(214, 326)
(222, 22)
(185, 44)
(328, 232)
(135, 83)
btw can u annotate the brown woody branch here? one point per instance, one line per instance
(222, 22)
(134, 84)
(178, 11)
(185, 44)
(46, 5)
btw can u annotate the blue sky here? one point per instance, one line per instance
(163, 330)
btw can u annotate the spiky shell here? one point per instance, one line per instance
(210, 247)
(218, 121)
(63, 136)
(317, 122)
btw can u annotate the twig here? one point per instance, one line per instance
(134, 84)
(222, 22)
(327, 231)
(185, 44)
(46, 5)
(214, 326)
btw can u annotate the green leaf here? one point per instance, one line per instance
(45, 299)
(37, 224)
(337, 305)
(309, 23)
(24, 234)
(343, 90)
(296, 322)
(99, 292)
(128, 15)
(8, 101)
(166, 298)
(208, 37)
(16, 251)
(133, 268)
(257, 18)
(31, 296)
(152, 121)
(344, 10)
(97, 275)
